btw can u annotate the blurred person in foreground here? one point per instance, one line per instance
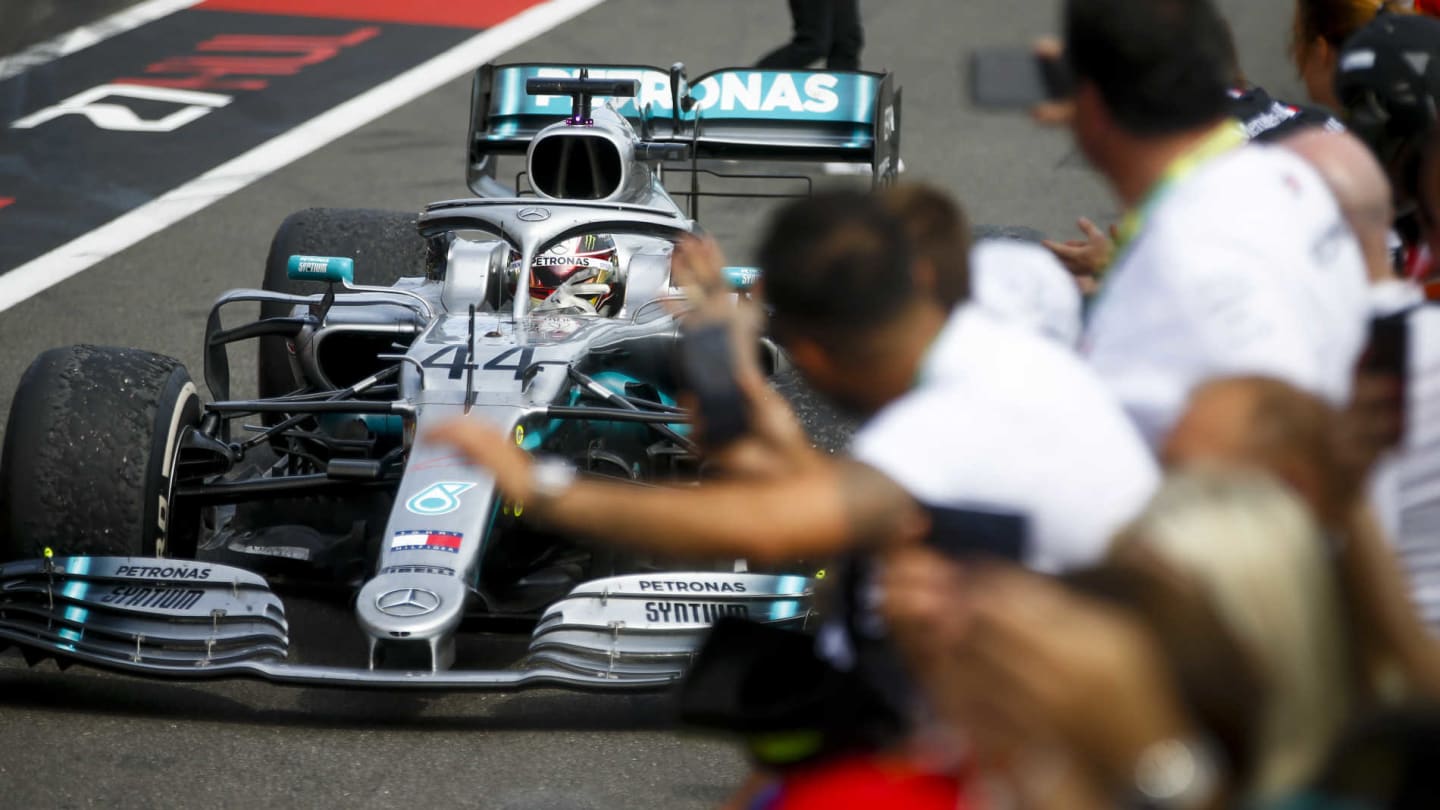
(1232, 258)
(1362, 191)
(963, 412)
(1318, 33)
(1263, 117)
(1388, 83)
(1118, 686)
(1241, 541)
(1268, 425)
(1015, 280)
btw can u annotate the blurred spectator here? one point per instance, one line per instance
(1320, 30)
(1360, 187)
(1391, 760)
(952, 398)
(1272, 283)
(826, 30)
(1016, 280)
(1263, 117)
(1035, 673)
(1253, 547)
(1025, 284)
(1389, 84)
(965, 415)
(1271, 426)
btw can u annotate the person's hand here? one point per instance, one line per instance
(1087, 258)
(697, 267)
(776, 444)
(1020, 661)
(1059, 112)
(485, 446)
(1372, 423)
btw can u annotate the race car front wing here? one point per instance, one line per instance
(190, 620)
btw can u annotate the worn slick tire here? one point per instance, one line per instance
(384, 245)
(90, 448)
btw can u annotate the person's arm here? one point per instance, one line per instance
(1373, 575)
(819, 510)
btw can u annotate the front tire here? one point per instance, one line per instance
(384, 244)
(88, 465)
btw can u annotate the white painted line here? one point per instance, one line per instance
(84, 252)
(89, 34)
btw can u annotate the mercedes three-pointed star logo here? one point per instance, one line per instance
(533, 214)
(407, 602)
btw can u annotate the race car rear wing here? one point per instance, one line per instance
(734, 113)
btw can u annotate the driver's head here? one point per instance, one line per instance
(578, 273)
(840, 279)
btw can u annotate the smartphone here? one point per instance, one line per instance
(963, 534)
(707, 370)
(1016, 78)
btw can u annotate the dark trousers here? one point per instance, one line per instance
(824, 29)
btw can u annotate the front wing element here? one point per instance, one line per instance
(649, 623)
(194, 620)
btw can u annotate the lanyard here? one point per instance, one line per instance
(1225, 137)
(1222, 139)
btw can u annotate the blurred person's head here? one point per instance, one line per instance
(1266, 424)
(1020, 281)
(1216, 679)
(1022, 664)
(1253, 547)
(1320, 30)
(1145, 71)
(1360, 187)
(940, 235)
(839, 276)
(1388, 84)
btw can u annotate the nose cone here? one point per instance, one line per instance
(410, 606)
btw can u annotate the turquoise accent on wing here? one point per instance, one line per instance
(334, 269)
(741, 278)
(77, 591)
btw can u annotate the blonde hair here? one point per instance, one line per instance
(1252, 546)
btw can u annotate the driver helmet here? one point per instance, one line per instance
(585, 266)
(1388, 81)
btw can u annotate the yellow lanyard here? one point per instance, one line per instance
(1225, 137)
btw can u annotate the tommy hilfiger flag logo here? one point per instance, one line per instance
(428, 540)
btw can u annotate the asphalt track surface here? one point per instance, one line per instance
(83, 739)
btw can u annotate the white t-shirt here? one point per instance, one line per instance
(1004, 419)
(1024, 283)
(1244, 268)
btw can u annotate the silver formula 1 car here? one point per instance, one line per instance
(151, 532)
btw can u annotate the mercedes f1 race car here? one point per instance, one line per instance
(148, 531)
